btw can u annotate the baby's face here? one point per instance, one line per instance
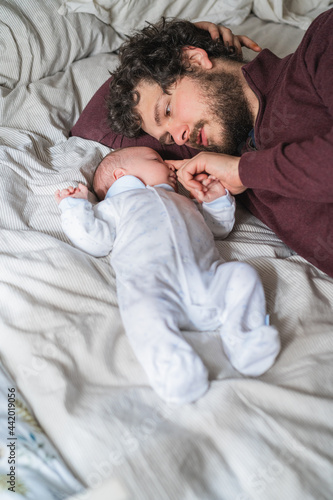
(148, 166)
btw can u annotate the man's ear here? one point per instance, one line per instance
(118, 172)
(197, 57)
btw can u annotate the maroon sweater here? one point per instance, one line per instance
(291, 173)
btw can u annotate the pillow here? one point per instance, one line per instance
(304, 7)
(93, 125)
(125, 16)
(299, 13)
(36, 41)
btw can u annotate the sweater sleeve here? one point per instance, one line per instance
(302, 170)
(275, 169)
(84, 229)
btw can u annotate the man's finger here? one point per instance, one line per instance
(200, 177)
(176, 163)
(190, 183)
(250, 44)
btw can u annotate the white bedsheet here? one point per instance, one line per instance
(61, 338)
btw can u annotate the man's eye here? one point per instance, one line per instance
(168, 110)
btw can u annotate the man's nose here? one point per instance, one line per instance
(180, 134)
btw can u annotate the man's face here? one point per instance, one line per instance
(208, 111)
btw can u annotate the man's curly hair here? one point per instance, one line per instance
(155, 55)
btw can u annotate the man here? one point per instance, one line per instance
(177, 85)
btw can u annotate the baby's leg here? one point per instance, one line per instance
(174, 370)
(250, 345)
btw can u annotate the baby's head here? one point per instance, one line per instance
(104, 175)
(142, 162)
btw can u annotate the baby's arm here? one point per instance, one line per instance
(212, 188)
(79, 192)
(80, 224)
(218, 206)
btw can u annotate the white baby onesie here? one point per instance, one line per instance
(170, 276)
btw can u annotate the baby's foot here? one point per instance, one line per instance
(181, 376)
(252, 353)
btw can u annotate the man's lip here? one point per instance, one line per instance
(202, 139)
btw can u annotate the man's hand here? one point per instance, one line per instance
(229, 39)
(222, 167)
(79, 192)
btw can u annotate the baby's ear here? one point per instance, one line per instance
(118, 172)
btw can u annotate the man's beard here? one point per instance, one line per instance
(229, 108)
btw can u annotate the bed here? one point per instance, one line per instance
(78, 418)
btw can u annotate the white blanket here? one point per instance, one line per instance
(61, 337)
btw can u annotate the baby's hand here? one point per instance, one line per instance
(79, 192)
(212, 188)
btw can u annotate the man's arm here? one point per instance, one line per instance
(301, 170)
(274, 169)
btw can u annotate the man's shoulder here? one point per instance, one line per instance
(319, 32)
(323, 21)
